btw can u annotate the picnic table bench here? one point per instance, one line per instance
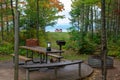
(55, 66)
(42, 51)
(26, 59)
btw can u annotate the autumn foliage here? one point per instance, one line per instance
(57, 4)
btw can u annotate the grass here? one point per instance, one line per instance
(70, 55)
(5, 57)
(53, 37)
(67, 55)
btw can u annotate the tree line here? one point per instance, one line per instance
(86, 26)
(34, 16)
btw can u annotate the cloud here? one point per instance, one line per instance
(64, 27)
(67, 4)
(62, 23)
(67, 7)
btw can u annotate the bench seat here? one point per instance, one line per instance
(53, 65)
(55, 56)
(22, 58)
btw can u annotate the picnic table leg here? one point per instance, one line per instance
(27, 74)
(56, 73)
(13, 59)
(46, 56)
(32, 55)
(79, 71)
(26, 53)
(40, 58)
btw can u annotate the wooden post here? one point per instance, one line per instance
(27, 74)
(16, 48)
(55, 73)
(79, 71)
(37, 27)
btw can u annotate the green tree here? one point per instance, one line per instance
(82, 18)
(41, 13)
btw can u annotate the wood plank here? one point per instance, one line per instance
(52, 64)
(55, 56)
(49, 65)
(23, 57)
(41, 49)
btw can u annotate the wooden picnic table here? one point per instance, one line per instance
(43, 51)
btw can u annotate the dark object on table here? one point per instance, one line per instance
(60, 43)
(48, 46)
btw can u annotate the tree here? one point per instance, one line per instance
(83, 16)
(16, 44)
(104, 42)
(42, 12)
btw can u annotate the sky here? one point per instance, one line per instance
(62, 23)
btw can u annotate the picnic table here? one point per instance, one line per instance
(43, 52)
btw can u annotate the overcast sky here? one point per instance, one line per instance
(62, 23)
(67, 7)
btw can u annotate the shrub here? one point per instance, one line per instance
(86, 48)
(6, 48)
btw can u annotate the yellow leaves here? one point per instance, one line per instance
(7, 18)
(23, 3)
(1, 1)
(99, 4)
(46, 5)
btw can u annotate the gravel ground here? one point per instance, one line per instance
(112, 74)
(65, 73)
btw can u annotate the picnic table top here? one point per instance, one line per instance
(40, 49)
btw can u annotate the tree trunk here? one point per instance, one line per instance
(16, 48)
(16, 44)
(37, 27)
(92, 22)
(11, 2)
(2, 38)
(104, 43)
(7, 30)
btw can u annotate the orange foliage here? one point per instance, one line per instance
(57, 4)
(2, 0)
(23, 2)
(7, 18)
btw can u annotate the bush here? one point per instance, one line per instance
(86, 48)
(6, 48)
(79, 41)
